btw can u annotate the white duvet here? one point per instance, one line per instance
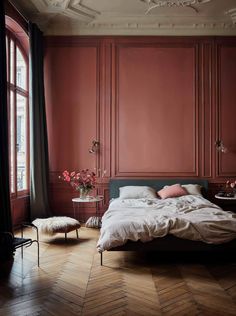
(189, 217)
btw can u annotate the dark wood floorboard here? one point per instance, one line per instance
(70, 281)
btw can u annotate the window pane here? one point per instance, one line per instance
(7, 52)
(20, 70)
(12, 62)
(21, 142)
(12, 142)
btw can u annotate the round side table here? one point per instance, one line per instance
(228, 203)
(229, 198)
(89, 199)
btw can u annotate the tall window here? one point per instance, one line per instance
(18, 100)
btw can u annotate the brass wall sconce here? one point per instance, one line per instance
(95, 147)
(221, 147)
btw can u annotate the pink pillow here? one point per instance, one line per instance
(172, 191)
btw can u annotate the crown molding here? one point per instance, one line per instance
(70, 8)
(232, 14)
(120, 26)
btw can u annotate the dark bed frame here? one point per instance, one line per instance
(168, 243)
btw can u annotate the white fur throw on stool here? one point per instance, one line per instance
(56, 224)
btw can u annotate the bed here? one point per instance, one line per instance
(186, 223)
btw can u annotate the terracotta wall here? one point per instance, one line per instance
(226, 106)
(156, 104)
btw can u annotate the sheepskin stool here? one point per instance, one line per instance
(57, 224)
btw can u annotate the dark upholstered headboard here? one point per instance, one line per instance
(157, 184)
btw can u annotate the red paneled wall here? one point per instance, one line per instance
(72, 73)
(156, 104)
(149, 107)
(72, 90)
(226, 107)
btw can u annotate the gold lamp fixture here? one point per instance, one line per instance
(220, 146)
(95, 147)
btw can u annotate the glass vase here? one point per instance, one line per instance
(84, 193)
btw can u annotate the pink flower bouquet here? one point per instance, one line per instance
(83, 181)
(231, 186)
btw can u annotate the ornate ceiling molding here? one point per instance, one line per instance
(77, 8)
(50, 6)
(58, 3)
(152, 4)
(232, 14)
(127, 17)
(153, 28)
(163, 25)
(70, 8)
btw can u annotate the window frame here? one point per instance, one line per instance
(12, 87)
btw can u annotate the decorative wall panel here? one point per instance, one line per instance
(226, 108)
(205, 125)
(156, 111)
(72, 94)
(72, 84)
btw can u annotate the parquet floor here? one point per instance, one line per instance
(70, 281)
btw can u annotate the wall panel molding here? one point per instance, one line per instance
(225, 106)
(105, 112)
(205, 109)
(73, 101)
(117, 121)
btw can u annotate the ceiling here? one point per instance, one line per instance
(129, 17)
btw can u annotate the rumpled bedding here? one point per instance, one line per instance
(189, 217)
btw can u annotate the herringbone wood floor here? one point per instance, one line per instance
(70, 281)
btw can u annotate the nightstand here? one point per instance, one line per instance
(226, 202)
(89, 199)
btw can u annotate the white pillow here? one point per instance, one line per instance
(193, 188)
(137, 192)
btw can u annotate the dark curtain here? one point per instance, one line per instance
(5, 206)
(39, 205)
